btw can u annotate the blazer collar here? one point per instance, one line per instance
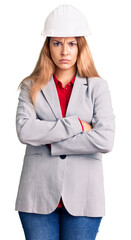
(78, 91)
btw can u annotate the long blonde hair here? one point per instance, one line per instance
(45, 67)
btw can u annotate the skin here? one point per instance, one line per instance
(65, 48)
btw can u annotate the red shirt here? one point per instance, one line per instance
(64, 96)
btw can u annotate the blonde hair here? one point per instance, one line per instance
(45, 67)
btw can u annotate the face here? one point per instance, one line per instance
(64, 48)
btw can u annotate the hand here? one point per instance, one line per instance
(86, 126)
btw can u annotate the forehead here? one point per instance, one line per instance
(63, 39)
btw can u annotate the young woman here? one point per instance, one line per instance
(65, 118)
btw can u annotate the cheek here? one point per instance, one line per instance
(54, 54)
(74, 54)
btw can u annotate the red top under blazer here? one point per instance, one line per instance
(64, 96)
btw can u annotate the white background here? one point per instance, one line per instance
(21, 23)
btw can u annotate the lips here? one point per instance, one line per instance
(64, 60)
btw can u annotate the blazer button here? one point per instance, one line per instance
(62, 156)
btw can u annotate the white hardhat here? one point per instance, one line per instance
(65, 21)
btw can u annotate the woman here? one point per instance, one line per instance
(65, 118)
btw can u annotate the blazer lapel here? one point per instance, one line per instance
(51, 95)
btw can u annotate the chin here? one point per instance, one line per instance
(64, 66)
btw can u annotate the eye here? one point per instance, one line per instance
(56, 44)
(72, 44)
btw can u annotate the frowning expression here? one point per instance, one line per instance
(64, 51)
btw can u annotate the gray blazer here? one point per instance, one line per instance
(72, 168)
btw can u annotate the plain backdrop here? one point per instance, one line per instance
(21, 23)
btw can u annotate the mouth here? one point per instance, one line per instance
(64, 60)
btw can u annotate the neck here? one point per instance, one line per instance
(65, 75)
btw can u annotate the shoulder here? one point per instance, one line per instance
(97, 84)
(27, 83)
(97, 81)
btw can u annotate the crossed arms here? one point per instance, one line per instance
(65, 135)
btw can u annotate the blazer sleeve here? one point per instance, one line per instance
(101, 137)
(33, 131)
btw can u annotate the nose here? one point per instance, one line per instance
(64, 50)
